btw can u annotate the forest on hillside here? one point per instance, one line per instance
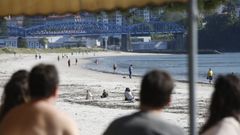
(221, 31)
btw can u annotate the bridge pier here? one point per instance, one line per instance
(106, 43)
(125, 43)
(179, 39)
(178, 43)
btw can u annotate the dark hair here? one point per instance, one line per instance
(156, 89)
(127, 89)
(43, 81)
(225, 100)
(15, 92)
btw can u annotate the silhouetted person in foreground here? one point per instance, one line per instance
(155, 95)
(224, 110)
(15, 92)
(39, 116)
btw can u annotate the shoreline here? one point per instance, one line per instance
(139, 76)
(125, 74)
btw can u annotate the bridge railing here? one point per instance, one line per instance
(96, 28)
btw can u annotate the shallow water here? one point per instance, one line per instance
(175, 64)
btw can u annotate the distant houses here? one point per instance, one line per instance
(12, 42)
(9, 42)
(53, 42)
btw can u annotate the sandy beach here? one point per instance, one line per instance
(94, 116)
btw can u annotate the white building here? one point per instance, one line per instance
(104, 17)
(118, 18)
(33, 42)
(10, 42)
(146, 15)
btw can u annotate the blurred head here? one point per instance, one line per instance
(43, 81)
(156, 89)
(15, 92)
(127, 89)
(225, 100)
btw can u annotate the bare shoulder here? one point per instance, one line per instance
(63, 120)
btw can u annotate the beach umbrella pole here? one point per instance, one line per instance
(192, 62)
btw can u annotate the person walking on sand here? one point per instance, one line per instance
(76, 61)
(39, 57)
(58, 58)
(155, 96)
(130, 68)
(39, 116)
(69, 63)
(210, 75)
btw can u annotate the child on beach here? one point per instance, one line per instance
(128, 95)
(104, 94)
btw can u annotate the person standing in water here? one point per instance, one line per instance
(210, 75)
(130, 68)
(114, 67)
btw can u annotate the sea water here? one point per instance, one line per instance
(175, 64)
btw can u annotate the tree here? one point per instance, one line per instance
(27, 22)
(220, 33)
(44, 42)
(173, 16)
(22, 42)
